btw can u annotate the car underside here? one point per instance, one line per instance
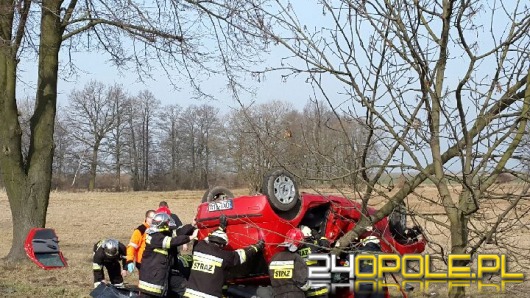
(280, 207)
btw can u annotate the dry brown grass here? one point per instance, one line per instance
(80, 219)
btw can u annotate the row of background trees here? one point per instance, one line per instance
(108, 139)
(447, 81)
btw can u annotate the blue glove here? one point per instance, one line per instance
(130, 267)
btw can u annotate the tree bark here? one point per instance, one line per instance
(459, 243)
(28, 183)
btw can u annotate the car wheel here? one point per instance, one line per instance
(281, 189)
(217, 193)
(398, 219)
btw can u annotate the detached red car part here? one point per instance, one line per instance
(42, 247)
(270, 215)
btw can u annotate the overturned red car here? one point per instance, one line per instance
(280, 207)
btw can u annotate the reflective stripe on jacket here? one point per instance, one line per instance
(288, 273)
(314, 246)
(210, 262)
(156, 262)
(136, 245)
(99, 259)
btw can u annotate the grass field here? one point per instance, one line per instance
(81, 219)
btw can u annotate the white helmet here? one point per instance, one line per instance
(110, 247)
(306, 231)
(219, 237)
(370, 239)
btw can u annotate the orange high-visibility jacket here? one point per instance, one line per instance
(136, 245)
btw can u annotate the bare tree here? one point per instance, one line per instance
(141, 117)
(209, 140)
(64, 162)
(443, 86)
(257, 142)
(134, 154)
(116, 144)
(166, 35)
(91, 117)
(169, 119)
(170, 142)
(199, 127)
(334, 145)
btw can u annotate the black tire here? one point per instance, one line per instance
(281, 190)
(217, 193)
(398, 219)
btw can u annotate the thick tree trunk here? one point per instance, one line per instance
(29, 203)
(458, 245)
(28, 183)
(11, 161)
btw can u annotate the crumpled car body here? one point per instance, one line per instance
(251, 218)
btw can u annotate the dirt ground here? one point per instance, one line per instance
(81, 219)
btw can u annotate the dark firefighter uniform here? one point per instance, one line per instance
(210, 261)
(180, 265)
(367, 290)
(288, 273)
(101, 260)
(312, 245)
(156, 262)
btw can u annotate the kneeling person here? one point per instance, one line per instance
(108, 253)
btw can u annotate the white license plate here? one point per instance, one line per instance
(220, 205)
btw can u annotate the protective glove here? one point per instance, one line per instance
(315, 234)
(223, 222)
(193, 235)
(260, 245)
(130, 267)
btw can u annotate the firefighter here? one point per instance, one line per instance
(210, 261)
(313, 243)
(288, 271)
(180, 264)
(108, 253)
(369, 245)
(164, 207)
(136, 246)
(155, 279)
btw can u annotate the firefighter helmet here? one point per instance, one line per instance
(162, 220)
(306, 231)
(370, 239)
(219, 237)
(293, 239)
(110, 247)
